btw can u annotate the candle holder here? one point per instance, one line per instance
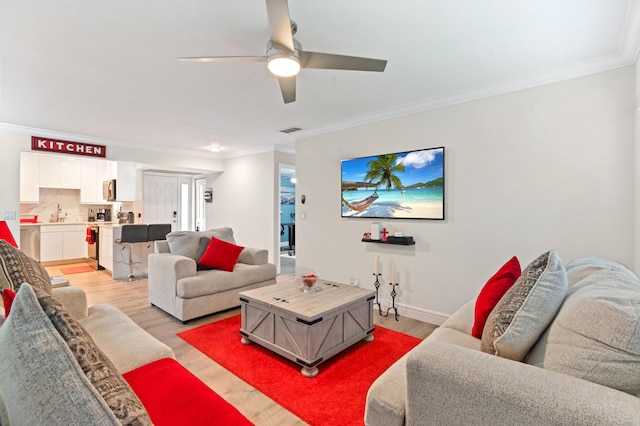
(393, 302)
(377, 286)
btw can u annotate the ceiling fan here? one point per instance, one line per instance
(285, 56)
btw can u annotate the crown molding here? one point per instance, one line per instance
(541, 79)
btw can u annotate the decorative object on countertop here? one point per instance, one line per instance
(32, 219)
(384, 234)
(366, 236)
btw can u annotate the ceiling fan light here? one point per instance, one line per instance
(284, 66)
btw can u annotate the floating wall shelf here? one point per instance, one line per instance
(398, 243)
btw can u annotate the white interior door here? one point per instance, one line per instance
(160, 198)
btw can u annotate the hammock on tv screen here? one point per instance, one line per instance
(362, 204)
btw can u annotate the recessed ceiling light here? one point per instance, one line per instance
(215, 148)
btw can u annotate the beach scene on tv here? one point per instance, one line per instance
(408, 185)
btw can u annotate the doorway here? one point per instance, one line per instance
(167, 199)
(287, 192)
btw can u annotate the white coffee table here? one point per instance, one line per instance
(307, 328)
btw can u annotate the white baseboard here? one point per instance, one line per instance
(424, 315)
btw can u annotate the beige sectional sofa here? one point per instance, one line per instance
(584, 369)
(178, 287)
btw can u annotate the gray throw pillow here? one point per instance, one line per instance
(596, 334)
(526, 309)
(186, 243)
(202, 248)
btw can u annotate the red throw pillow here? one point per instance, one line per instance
(493, 291)
(7, 299)
(220, 255)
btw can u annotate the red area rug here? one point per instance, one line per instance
(76, 269)
(336, 396)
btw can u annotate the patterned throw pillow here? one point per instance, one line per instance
(526, 309)
(94, 363)
(17, 268)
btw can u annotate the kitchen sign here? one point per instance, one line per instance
(66, 147)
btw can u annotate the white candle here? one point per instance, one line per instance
(393, 274)
(377, 260)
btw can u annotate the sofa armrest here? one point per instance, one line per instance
(164, 271)
(73, 299)
(253, 256)
(448, 384)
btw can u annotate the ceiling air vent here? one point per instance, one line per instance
(291, 130)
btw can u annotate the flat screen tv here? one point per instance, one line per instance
(403, 185)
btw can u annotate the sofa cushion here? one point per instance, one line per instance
(220, 255)
(596, 334)
(185, 243)
(96, 366)
(38, 392)
(124, 342)
(525, 311)
(174, 396)
(216, 281)
(492, 292)
(17, 268)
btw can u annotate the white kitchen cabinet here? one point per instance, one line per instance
(60, 171)
(106, 247)
(62, 242)
(74, 243)
(29, 178)
(93, 173)
(50, 245)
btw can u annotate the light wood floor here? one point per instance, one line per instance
(131, 298)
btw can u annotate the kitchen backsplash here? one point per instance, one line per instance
(71, 209)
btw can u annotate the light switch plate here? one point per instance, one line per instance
(9, 215)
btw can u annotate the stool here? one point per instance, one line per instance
(132, 234)
(158, 231)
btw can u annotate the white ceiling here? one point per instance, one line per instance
(107, 69)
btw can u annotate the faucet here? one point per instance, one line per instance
(56, 217)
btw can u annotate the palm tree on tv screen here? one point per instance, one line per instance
(383, 169)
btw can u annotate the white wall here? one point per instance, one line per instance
(548, 167)
(245, 197)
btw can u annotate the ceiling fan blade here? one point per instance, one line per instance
(279, 23)
(225, 59)
(288, 88)
(339, 62)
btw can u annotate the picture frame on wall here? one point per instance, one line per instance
(401, 185)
